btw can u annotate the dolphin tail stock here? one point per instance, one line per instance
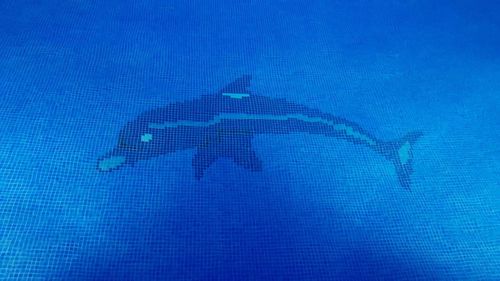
(400, 153)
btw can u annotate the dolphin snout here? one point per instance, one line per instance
(111, 162)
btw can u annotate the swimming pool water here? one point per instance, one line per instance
(249, 140)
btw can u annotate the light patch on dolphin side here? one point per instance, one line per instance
(236, 95)
(405, 153)
(242, 116)
(351, 132)
(111, 163)
(146, 137)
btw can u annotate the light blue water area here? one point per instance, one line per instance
(73, 74)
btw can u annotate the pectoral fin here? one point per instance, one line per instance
(237, 147)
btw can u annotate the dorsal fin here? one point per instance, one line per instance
(239, 85)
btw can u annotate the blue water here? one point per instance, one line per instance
(74, 73)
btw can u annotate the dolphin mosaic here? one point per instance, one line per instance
(223, 125)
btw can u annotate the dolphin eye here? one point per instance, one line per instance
(146, 137)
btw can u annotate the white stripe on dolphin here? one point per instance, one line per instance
(223, 125)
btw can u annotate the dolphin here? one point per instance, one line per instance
(223, 125)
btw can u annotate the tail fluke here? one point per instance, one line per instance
(400, 152)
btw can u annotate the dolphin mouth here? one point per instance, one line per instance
(110, 163)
